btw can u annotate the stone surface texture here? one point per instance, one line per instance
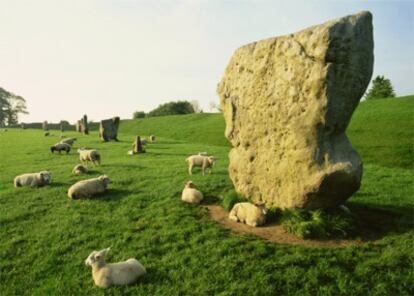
(108, 129)
(287, 102)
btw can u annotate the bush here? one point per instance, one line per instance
(138, 114)
(230, 199)
(318, 223)
(172, 108)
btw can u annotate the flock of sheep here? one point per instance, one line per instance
(128, 272)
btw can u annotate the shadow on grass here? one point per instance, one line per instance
(375, 222)
(111, 195)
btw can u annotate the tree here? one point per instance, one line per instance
(381, 88)
(11, 106)
(172, 108)
(138, 114)
(215, 106)
(196, 106)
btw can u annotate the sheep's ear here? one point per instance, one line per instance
(104, 252)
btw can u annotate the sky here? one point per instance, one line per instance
(111, 58)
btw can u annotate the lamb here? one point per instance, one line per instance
(33, 179)
(190, 194)
(89, 187)
(110, 274)
(251, 214)
(79, 169)
(152, 138)
(89, 155)
(205, 162)
(69, 141)
(60, 147)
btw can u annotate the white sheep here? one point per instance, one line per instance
(251, 214)
(79, 169)
(190, 194)
(113, 274)
(89, 155)
(69, 141)
(89, 187)
(33, 179)
(205, 162)
(59, 147)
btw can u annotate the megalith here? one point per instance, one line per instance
(287, 102)
(108, 129)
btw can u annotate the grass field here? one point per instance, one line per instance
(45, 237)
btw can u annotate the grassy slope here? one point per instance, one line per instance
(45, 237)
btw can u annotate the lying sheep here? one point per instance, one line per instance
(89, 187)
(69, 141)
(251, 214)
(205, 162)
(190, 194)
(60, 147)
(33, 179)
(79, 169)
(152, 138)
(89, 155)
(113, 274)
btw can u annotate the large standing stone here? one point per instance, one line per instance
(287, 102)
(108, 129)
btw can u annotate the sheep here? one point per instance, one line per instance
(33, 179)
(190, 194)
(89, 187)
(113, 274)
(205, 162)
(60, 147)
(89, 155)
(69, 141)
(144, 141)
(251, 214)
(79, 169)
(152, 138)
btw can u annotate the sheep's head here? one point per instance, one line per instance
(262, 206)
(211, 160)
(105, 179)
(189, 184)
(45, 177)
(52, 149)
(97, 257)
(81, 149)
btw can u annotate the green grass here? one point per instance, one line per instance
(45, 237)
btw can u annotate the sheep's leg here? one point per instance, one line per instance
(190, 169)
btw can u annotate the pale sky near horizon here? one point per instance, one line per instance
(113, 57)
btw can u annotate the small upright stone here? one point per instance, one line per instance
(287, 102)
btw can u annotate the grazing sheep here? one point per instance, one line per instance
(79, 169)
(205, 162)
(89, 155)
(60, 147)
(251, 214)
(89, 187)
(190, 194)
(152, 138)
(33, 179)
(113, 274)
(69, 141)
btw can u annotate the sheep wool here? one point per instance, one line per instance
(89, 155)
(190, 194)
(79, 169)
(33, 179)
(251, 214)
(89, 187)
(205, 162)
(113, 274)
(59, 147)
